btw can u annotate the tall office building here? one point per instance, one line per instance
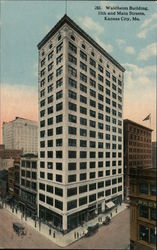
(21, 134)
(80, 120)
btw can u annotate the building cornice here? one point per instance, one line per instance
(127, 121)
(72, 24)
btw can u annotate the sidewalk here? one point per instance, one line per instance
(64, 240)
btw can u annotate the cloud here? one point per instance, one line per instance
(130, 50)
(147, 52)
(107, 47)
(149, 20)
(88, 23)
(148, 25)
(103, 4)
(47, 28)
(121, 42)
(139, 77)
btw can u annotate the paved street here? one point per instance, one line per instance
(113, 236)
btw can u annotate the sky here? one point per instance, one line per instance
(23, 24)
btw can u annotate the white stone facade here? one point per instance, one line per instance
(21, 134)
(80, 121)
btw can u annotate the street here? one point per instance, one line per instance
(113, 236)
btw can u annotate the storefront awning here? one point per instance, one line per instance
(110, 204)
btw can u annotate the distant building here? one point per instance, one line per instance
(154, 154)
(143, 216)
(28, 185)
(20, 134)
(137, 149)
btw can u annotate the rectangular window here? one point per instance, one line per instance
(72, 83)
(92, 62)
(143, 187)
(83, 66)
(83, 55)
(59, 59)
(72, 142)
(72, 106)
(59, 83)
(72, 154)
(72, 130)
(83, 189)
(59, 204)
(83, 176)
(72, 118)
(92, 197)
(72, 71)
(72, 59)
(92, 72)
(72, 47)
(82, 201)
(83, 77)
(59, 47)
(50, 55)
(83, 121)
(71, 166)
(72, 191)
(71, 204)
(72, 178)
(72, 95)
(59, 106)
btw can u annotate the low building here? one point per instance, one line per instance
(137, 149)
(3, 183)
(28, 185)
(9, 153)
(143, 218)
(14, 179)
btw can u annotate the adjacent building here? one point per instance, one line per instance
(9, 153)
(80, 127)
(154, 155)
(143, 194)
(21, 134)
(28, 185)
(137, 149)
(9, 159)
(14, 179)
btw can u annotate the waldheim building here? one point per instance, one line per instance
(80, 119)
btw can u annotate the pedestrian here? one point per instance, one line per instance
(75, 235)
(111, 215)
(54, 234)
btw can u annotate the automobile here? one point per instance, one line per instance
(107, 220)
(92, 230)
(19, 228)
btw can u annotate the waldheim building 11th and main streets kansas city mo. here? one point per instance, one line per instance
(80, 171)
